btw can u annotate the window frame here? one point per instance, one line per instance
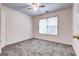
(47, 26)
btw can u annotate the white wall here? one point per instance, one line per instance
(64, 27)
(0, 28)
(76, 28)
(18, 26)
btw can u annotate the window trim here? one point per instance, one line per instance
(47, 26)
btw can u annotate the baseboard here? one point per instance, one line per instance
(16, 42)
(55, 41)
(0, 50)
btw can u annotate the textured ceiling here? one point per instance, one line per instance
(50, 7)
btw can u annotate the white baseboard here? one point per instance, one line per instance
(0, 50)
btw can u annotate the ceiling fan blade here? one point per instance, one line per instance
(29, 8)
(42, 6)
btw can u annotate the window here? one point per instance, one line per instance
(48, 25)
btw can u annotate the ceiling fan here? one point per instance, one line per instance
(35, 6)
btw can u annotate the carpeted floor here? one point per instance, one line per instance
(38, 47)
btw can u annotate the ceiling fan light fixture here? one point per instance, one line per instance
(35, 6)
(35, 9)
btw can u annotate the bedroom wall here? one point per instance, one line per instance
(0, 28)
(76, 28)
(64, 26)
(18, 26)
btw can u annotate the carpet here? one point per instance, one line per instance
(38, 47)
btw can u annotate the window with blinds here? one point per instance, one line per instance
(48, 26)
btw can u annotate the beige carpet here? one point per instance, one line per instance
(38, 47)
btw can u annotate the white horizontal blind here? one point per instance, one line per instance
(48, 25)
